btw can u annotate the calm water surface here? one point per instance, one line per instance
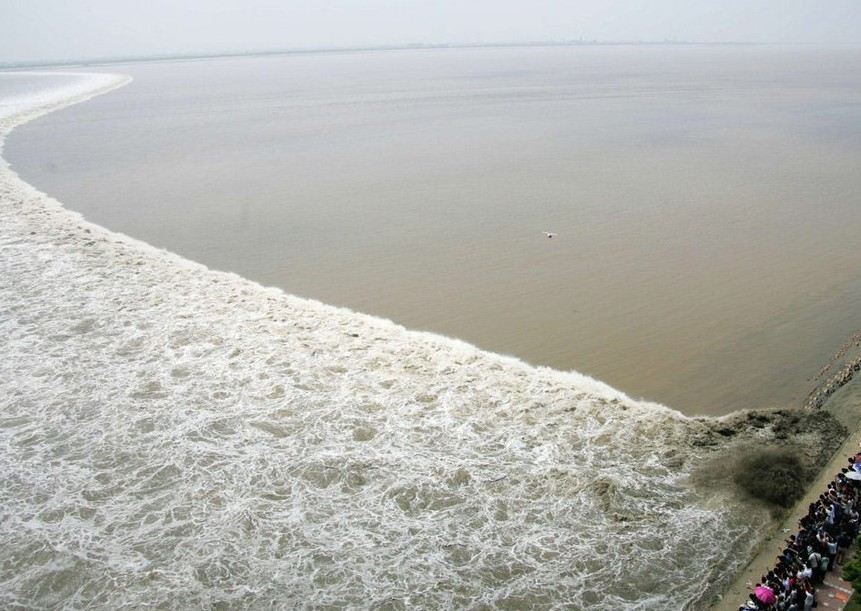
(705, 199)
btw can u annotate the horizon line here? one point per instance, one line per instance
(118, 59)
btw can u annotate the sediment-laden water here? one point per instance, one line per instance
(175, 437)
(703, 196)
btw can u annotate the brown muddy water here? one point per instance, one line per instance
(705, 198)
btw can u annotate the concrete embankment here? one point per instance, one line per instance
(836, 374)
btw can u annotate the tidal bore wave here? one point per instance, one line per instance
(177, 437)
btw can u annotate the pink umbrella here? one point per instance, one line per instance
(765, 595)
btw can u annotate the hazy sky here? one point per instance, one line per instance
(74, 29)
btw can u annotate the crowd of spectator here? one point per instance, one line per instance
(824, 534)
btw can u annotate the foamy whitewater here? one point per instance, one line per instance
(176, 437)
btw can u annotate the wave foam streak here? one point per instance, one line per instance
(178, 437)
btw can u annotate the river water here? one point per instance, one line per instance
(704, 198)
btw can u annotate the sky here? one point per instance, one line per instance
(45, 30)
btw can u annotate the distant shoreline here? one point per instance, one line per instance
(103, 61)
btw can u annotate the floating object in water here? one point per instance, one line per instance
(549, 234)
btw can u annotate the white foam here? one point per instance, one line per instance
(179, 437)
(19, 108)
